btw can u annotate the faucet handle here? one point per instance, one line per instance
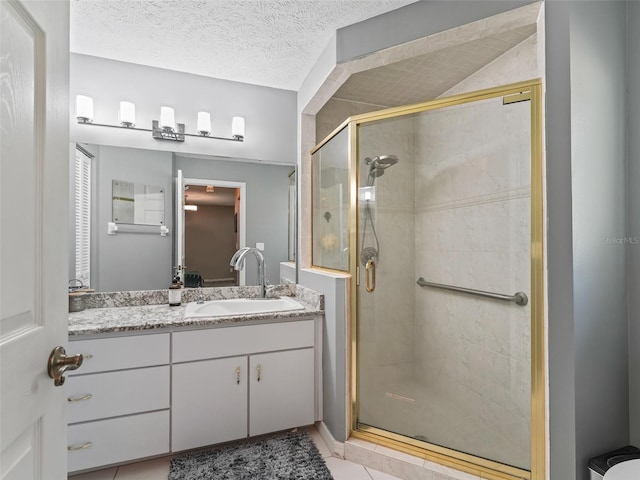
(269, 288)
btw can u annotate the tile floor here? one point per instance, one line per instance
(158, 469)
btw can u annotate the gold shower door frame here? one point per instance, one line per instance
(483, 468)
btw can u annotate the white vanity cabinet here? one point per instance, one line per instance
(209, 402)
(281, 390)
(240, 381)
(118, 402)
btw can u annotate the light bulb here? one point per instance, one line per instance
(204, 123)
(127, 114)
(167, 119)
(237, 128)
(84, 109)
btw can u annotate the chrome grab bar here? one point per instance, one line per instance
(519, 298)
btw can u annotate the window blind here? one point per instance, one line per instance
(83, 217)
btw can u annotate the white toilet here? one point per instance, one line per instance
(629, 470)
(621, 464)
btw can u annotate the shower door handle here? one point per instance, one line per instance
(370, 276)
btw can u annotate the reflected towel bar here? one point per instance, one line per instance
(519, 298)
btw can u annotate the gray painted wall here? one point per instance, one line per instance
(267, 205)
(560, 328)
(414, 21)
(270, 113)
(633, 40)
(130, 261)
(334, 347)
(598, 164)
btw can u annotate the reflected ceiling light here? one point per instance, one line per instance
(209, 189)
(164, 129)
(191, 208)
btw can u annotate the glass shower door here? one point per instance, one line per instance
(445, 196)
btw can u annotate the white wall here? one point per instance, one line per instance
(270, 114)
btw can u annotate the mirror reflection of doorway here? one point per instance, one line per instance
(211, 234)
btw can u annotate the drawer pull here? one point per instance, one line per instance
(259, 367)
(238, 376)
(80, 398)
(75, 448)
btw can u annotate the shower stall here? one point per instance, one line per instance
(436, 211)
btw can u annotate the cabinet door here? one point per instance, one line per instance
(209, 402)
(281, 390)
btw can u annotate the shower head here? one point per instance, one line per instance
(382, 161)
(378, 165)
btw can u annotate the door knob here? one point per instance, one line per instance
(59, 363)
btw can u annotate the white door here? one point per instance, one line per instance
(34, 154)
(179, 228)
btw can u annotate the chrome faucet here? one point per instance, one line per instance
(237, 264)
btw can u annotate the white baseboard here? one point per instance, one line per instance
(336, 448)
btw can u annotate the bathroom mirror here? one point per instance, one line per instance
(137, 203)
(137, 256)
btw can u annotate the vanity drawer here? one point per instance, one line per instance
(117, 440)
(104, 354)
(242, 340)
(111, 394)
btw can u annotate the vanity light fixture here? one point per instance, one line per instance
(237, 128)
(84, 109)
(127, 114)
(164, 129)
(204, 123)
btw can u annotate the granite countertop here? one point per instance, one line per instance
(129, 318)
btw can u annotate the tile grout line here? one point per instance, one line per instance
(366, 469)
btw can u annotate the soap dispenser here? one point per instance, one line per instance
(175, 292)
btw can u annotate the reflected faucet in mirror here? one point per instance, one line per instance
(237, 264)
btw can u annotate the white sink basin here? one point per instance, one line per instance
(241, 306)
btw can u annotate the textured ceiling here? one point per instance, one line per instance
(427, 76)
(265, 42)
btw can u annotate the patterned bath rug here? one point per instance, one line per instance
(289, 456)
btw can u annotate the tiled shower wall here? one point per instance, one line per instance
(454, 210)
(472, 228)
(386, 314)
(472, 225)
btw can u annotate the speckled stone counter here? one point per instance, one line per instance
(137, 311)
